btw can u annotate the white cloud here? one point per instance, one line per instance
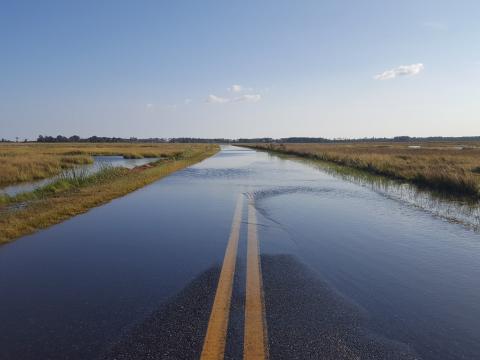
(187, 101)
(149, 106)
(403, 70)
(239, 94)
(214, 99)
(251, 98)
(248, 98)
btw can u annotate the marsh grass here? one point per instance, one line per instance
(36, 161)
(68, 179)
(443, 167)
(16, 168)
(75, 191)
(79, 177)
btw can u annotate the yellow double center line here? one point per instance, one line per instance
(255, 336)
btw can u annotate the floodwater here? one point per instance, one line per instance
(408, 275)
(98, 163)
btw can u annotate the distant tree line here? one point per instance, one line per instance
(104, 139)
(92, 139)
(371, 139)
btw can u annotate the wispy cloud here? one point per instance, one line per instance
(239, 94)
(403, 70)
(187, 101)
(214, 99)
(248, 98)
(149, 106)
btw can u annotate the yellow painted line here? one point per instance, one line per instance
(214, 343)
(255, 336)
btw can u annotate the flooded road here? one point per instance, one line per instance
(347, 271)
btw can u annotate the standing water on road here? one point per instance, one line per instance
(410, 279)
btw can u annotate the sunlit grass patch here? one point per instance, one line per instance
(20, 167)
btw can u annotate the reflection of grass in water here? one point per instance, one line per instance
(465, 209)
(442, 167)
(132, 156)
(76, 191)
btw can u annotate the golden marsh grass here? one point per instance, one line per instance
(33, 161)
(448, 167)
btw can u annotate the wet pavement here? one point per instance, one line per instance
(348, 272)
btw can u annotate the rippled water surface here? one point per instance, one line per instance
(413, 272)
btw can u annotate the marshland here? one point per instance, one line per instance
(20, 162)
(452, 168)
(74, 190)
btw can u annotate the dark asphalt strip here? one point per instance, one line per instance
(176, 330)
(307, 320)
(234, 347)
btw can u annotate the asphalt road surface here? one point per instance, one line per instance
(245, 256)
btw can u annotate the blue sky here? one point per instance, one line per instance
(239, 69)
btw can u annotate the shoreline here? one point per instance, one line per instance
(456, 190)
(53, 207)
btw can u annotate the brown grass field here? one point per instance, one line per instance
(26, 213)
(32, 161)
(448, 167)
